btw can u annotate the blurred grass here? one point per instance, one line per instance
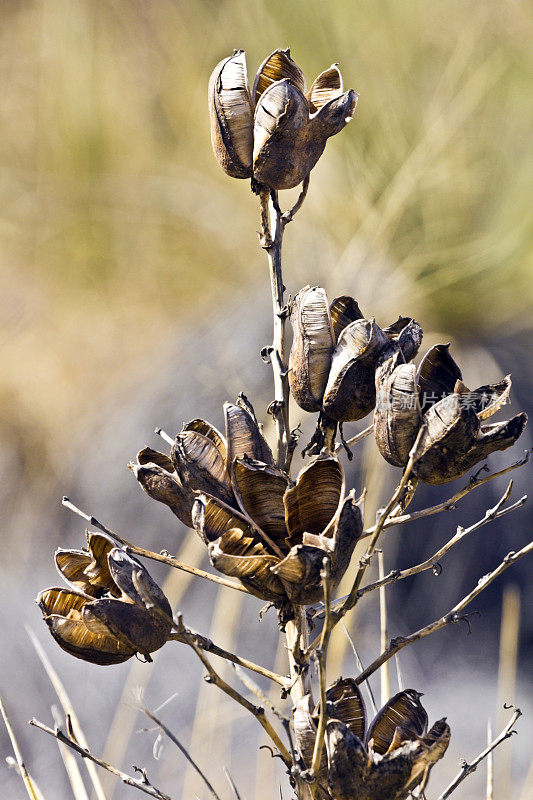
(115, 220)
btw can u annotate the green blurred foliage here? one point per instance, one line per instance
(116, 221)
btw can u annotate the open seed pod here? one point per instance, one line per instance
(120, 611)
(231, 112)
(312, 347)
(290, 128)
(395, 758)
(454, 440)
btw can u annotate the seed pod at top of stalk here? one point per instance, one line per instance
(231, 112)
(290, 127)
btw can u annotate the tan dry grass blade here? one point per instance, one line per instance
(211, 706)
(384, 671)
(507, 670)
(68, 708)
(28, 783)
(175, 585)
(70, 762)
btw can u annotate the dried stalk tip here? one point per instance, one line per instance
(276, 135)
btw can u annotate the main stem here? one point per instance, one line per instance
(273, 225)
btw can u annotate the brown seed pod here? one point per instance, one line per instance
(231, 113)
(312, 346)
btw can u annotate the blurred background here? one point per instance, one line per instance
(134, 294)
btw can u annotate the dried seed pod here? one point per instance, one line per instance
(454, 441)
(88, 570)
(123, 611)
(485, 400)
(259, 489)
(166, 488)
(201, 466)
(350, 392)
(243, 435)
(312, 503)
(437, 375)
(305, 731)
(343, 311)
(62, 611)
(346, 703)
(277, 67)
(347, 763)
(242, 556)
(397, 416)
(404, 711)
(231, 112)
(312, 346)
(326, 86)
(301, 569)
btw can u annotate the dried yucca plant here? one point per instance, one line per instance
(286, 538)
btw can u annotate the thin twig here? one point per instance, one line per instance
(23, 772)
(71, 764)
(448, 505)
(231, 783)
(354, 439)
(490, 764)
(138, 783)
(162, 557)
(214, 678)
(206, 644)
(173, 738)
(453, 616)
(384, 636)
(261, 696)
(467, 769)
(288, 216)
(353, 596)
(433, 561)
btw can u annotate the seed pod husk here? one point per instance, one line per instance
(312, 503)
(350, 392)
(454, 441)
(201, 466)
(347, 762)
(404, 710)
(240, 555)
(231, 113)
(312, 346)
(259, 489)
(343, 311)
(326, 86)
(276, 67)
(166, 488)
(88, 570)
(397, 415)
(243, 435)
(437, 375)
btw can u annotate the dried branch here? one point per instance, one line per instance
(354, 439)
(384, 635)
(138, 783)
(163, 557)
(23, 772)
(452, 616)
(214, 678)
(448, 505)
(70, 763)
(161, 725)
(261, 696)
(433, 561)
(467, 769)
(206, 644)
